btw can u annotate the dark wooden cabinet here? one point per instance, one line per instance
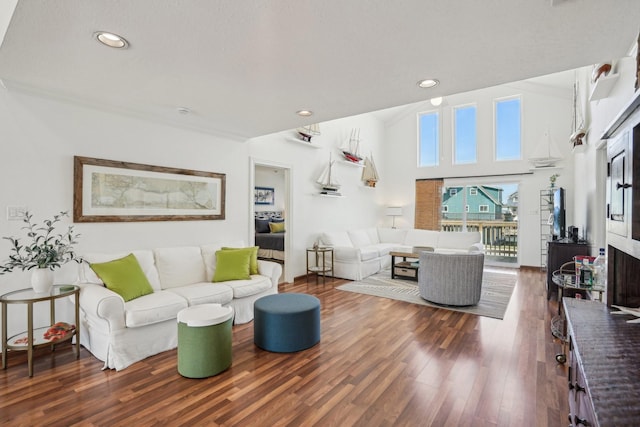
(559, 252)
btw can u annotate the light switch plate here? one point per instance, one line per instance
(16, 213)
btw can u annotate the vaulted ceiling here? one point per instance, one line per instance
(243, 68)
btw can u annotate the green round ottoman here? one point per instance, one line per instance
(204, 340)
(286, 323)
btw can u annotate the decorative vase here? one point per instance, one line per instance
(41, 280)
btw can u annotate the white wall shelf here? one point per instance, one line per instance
(347, 162)
(329, 196)
(603, 87)
(301, 142)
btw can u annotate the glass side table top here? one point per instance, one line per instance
(27, 295)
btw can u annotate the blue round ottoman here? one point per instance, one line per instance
(285, 323)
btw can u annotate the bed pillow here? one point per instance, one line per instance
(276, 227)
(232, 265)
(253, 259)
(124, 276)
(262, 226)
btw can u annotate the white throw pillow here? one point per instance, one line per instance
(179, 266)
(391, 235)
(359, 238)
(416, 237)
(336, 238)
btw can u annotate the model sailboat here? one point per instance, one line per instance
(577, 126)
(351, 150)
(547, 153)
(307, 132)
(328, 180)
(370, 173)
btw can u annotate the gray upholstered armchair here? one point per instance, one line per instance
(451, 279)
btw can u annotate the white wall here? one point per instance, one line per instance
(542, 108)
(591, 202)
(39, 138)
(271, 178)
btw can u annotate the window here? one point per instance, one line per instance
(483, 208)
(507, 116)
(453, 191)
(473, 191)
(466, 208)
(445, 208)
(428, 139)
(465, 137)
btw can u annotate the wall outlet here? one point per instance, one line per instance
(16, 213)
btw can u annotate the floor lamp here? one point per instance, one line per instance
(393, 211)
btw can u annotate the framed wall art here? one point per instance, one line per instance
(263, 195)
(115, 191)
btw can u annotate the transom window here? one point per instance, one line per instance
(508, 129)
(465, 134)
(429, 139)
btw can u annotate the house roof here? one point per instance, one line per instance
(243, 68)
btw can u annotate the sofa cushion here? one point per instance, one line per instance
(391, 235)
(209, 255)
(336, 238)
(373, 235)
(384, 248)
(368, 252)
(253, 256)
(144, 257)
(205, 293)
(458, 240)
(124, 277)
(179, 266)
(416, 237)
(359, 238)
(153, 308)
(232, 265)
(253, 286)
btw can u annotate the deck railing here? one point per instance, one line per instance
(500, 238)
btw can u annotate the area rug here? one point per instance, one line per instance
(497, 287)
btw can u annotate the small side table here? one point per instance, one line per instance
(35, 337)
(320, 267)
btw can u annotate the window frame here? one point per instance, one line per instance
(485, 207)
(454, 134)
(438, 141)
(473, 191)
(496, 101)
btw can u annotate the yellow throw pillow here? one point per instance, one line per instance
(124, 276)
(253, 260)
(232, 265)
(276, 227)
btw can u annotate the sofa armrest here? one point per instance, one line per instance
(476, 247)
(271, 269)
(98, 301)
(346, 254)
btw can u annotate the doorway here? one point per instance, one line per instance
(270, 219)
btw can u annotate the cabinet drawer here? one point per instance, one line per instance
(405, 272)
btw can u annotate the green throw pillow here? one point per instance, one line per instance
(276, 227)
(253, 260)
(124, 276)
(232, 265)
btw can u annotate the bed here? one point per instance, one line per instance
(270, 234)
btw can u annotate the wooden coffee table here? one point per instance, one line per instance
(404, 269)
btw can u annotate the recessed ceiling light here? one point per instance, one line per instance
(304, 113)
(111, 40)
(427, 83)
(184, 110)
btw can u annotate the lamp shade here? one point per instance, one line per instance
(393, 211)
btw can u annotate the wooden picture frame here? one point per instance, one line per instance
(115, 191)
(263, 195)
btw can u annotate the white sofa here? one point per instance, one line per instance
(121, 333)
(363, 252)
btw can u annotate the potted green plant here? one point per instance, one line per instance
(45, 251)
(552, 180)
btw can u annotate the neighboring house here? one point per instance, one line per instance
(510, 209)
(482, 203)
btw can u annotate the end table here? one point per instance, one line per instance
(34, 338)
(320, 266)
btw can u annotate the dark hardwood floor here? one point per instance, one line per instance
(380, 362)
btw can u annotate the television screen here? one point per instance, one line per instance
(559, 226)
